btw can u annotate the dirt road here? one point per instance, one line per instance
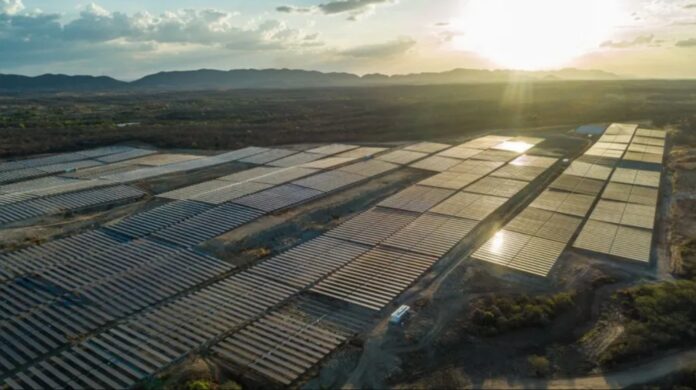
(613, 380)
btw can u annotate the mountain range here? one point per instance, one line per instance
(207, 79)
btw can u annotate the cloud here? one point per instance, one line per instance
(11, 7)
(288, 9)
(381, 50)
(687, 43)
(638, 41)
(355, 8)
(103, 38)
(690, 6)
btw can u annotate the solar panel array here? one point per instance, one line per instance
(72, 292)
(622, 222)
(362, 265)
(286, 343)
(534, 240)
(126, 353)
(367, 262)
(75, 201)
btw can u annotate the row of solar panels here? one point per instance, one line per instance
(66, 301)
(57, 204)
(103, 370)
(120, 356)
(51, 368)
(99, 153)
(190, 223)
(534, 241)
(369, 260)
(622, 222)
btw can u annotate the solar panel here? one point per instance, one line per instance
(195, 190)
(476, 167)
(369, 168)
(638, 177)
(564, 202)
(436, 163)
(402, 157)
(486, 142)
(296, 159)
(375, 278)
(417, 198)
(158, 218)
(622, 139)
(631, 243)
(519, 172)
(622, 241)
(362, 152)
(658, 150)
(231, 192)
(534, 161)
(268, 156)
(610, 146)
(644, 157)
(496, 186)
(660, 142)
(327, 163)
(332, 149)
(373, 226)
(329, 181)
(608, 211)
(502, 248)
(538, 256)
(450, 180)
(652, 133)
(250, 174)
(431, 234)
(459, 152)
(278, 198)
(427, 147)
(309, 262)
(631, 194)
(158, 160)
(578, 184)
(593, 171)
(285, 175)
(208, 224)
(596, 236)
(496, 155)
(470, 206)
(621, 129)
(514, 145)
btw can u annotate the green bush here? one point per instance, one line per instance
(499, 314)
(658, 316)
(540, 365)
(199, 385)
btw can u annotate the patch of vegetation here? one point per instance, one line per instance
(687, 255)
(199, 385)
(31, 124)
(540, 365)
(499, 314)
(658, 316)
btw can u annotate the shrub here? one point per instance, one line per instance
(499, 314)
(540, 365)
(199, 385)
(657, 316)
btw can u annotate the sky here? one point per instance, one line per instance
(128, 39)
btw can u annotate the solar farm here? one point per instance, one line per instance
(121, 301)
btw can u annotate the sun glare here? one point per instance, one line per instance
(535, 34)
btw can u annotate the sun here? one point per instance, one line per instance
(535, 34)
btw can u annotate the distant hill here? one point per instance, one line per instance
(58, 83)
(207, 79)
